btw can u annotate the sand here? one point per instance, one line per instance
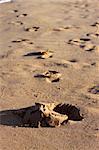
(70, 29)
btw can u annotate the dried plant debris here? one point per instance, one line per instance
(94, 89)
(41, 54)
(50, 76)
(41, 115)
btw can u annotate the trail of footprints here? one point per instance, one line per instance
(84, 43)
(52, 115)
(18, 22)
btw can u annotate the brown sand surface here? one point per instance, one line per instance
(29, 26)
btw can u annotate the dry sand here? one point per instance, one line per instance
(69, 28)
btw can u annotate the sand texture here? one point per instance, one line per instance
(49, 52)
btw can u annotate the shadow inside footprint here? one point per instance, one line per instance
(73, 60)
(85, 39)
(33, 54)
(15, 10)
(71, 111)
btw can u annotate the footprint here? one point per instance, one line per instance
(89, 47)
(94, 89)
(80, 42)
(15, 10)
(23, 41)
(84, 43)
(73, 60)
(41, 115)
(96, 34)
(69, 63)
(32, 29)
(22, 15)
(20, 40)
(65, 65)
(77, 42)
(95, 24)
(50, 76)
(93, 64)
(41, 54)
(17, 23)
(64, 28)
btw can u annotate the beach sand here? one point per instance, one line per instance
(69, 29)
